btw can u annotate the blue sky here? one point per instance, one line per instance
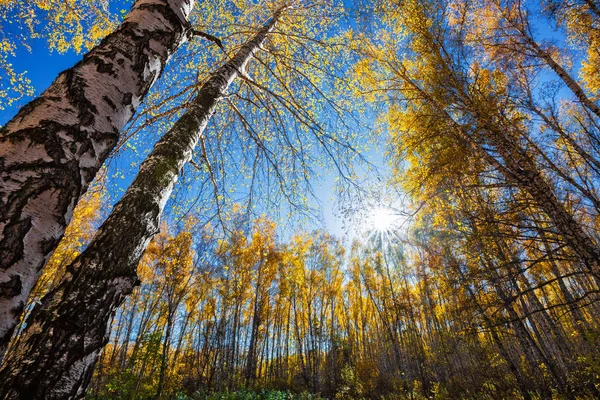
(42, 66)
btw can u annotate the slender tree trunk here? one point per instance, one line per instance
(521, 169)
(592, 161)
(529, 348)
(579, 321)
(180, 339)
(117, 336)
(123, 351)
(514, 369)
(165, 352)
(142, 327)
(52, 149)
(568, 80)
(233, 344)
(251, 362)
(67, 331)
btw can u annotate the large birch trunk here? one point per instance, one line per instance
(52, 149)
(67, 331)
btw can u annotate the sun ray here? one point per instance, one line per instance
(382, 219)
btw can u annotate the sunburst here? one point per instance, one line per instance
(381, 219)
(383, 224)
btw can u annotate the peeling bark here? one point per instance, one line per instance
(52, 149)
(67, 331)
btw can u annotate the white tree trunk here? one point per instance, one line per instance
(52, 149)
(66, 332)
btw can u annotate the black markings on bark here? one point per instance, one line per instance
(104, 67)
(11, 248)
(12, 287)
(108, 101)
(167, 13)
(17, 311)
(127, 99)
(76, 86)
(72, 133)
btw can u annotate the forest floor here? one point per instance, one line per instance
(250, 395)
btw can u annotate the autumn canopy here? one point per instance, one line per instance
(286, 199)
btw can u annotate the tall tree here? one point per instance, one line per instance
(67, 331)
(52, 149)
(475, 104)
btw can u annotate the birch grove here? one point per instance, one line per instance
(340, 200)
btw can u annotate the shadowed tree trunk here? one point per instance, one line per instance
(52, 149)
(521, 169)
(513, 367)
(252, 357)
(67, 331)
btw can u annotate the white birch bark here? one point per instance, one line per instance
(568, 80)
(52, 149)
(66, 332)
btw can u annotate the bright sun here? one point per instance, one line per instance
(381, 219)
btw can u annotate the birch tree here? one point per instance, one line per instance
(55, 357)
(471, 106)
(52, 149)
